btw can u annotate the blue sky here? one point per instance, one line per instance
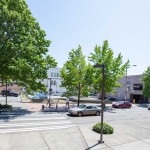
(124, 23)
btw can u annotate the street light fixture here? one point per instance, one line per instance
(102, 101)
(126, 93)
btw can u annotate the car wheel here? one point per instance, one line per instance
(97, 113)
(80, 114)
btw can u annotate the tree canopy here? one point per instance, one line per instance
(146, 80)
(74, 74)
(23, 46)
(114, 67)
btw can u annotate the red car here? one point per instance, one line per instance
(121, 104)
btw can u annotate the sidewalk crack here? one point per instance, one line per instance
(45, 141)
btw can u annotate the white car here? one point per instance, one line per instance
(85, 109)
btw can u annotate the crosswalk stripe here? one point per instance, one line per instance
(34, 124)
(36, 129)
(43, 118)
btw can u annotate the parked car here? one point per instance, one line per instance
(37, 95)
(9, 93)
(85, 109)
(112, 99)
(121, 104)
(148, 107)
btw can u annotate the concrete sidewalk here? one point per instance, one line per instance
(125, 137)
(68, 139)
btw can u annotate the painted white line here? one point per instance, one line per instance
(43, 118)
(31, 115)
(36, 129)
(34, 124)
(42, 114)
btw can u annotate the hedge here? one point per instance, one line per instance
(5, 106)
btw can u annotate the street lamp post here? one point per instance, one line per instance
(50, 90)
(102, 101)
(126, 92)
(126, 84)
(55, 83)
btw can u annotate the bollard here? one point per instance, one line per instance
(56, 106)
(42, 107)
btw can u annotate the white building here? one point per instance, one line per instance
(53, 81)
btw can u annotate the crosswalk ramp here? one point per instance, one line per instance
(35, 122)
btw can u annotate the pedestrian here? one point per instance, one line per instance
(67, 102)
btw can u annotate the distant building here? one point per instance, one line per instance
(13, 86)
(130, 89)
(53, 81)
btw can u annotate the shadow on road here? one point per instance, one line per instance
(109, 109)
(9, 114)
(144, 105)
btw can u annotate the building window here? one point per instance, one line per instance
(137, 87)
(51, 74)
(57, 74)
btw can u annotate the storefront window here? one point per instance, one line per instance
(137, 87)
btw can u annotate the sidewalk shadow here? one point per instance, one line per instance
(10, 114)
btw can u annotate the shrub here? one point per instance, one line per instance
(5, 106)
(107, 129)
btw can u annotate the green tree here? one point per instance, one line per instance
(74, 74)
(114, 68)
(23, 46)
(146, 80)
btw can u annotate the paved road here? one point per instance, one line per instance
(136, 113)
(32, 122)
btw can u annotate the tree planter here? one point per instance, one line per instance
(37, 100)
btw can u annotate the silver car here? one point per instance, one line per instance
(85, 109)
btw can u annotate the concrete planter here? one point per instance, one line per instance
(37, 100)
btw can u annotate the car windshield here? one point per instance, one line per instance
(81, 106)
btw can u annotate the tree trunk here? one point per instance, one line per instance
(79, 94)
(6, 91)
(100, 95)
